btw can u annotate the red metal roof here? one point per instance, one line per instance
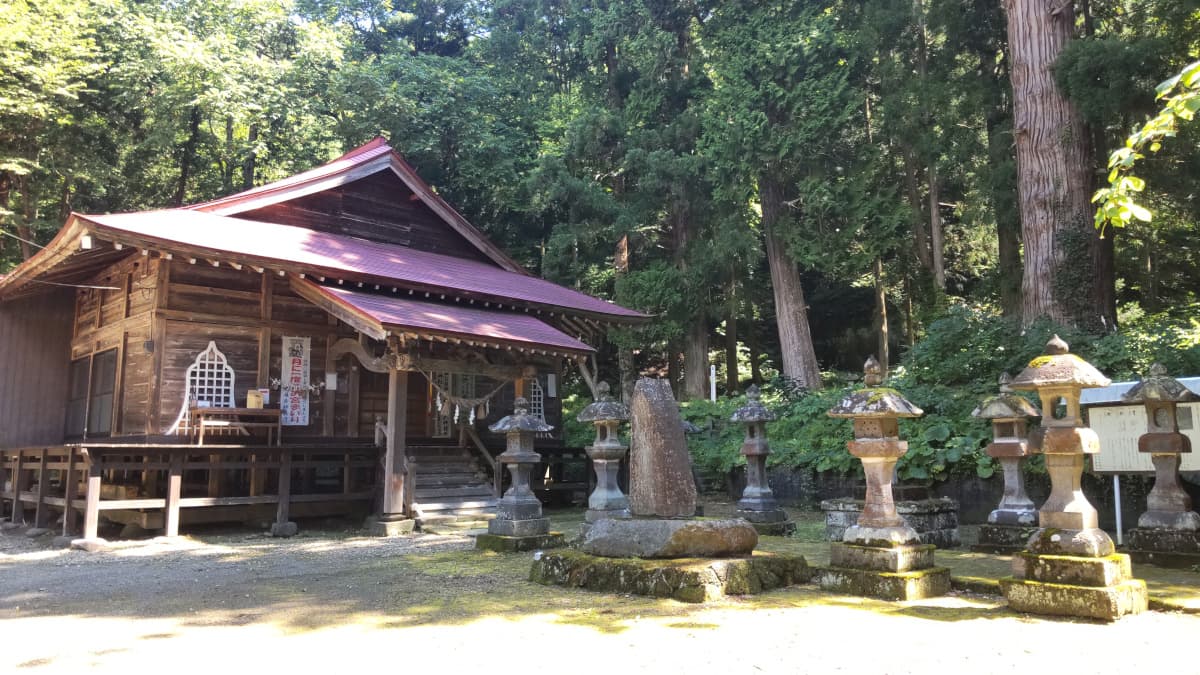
(392, 311)
(339, 255)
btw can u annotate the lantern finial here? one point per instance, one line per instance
(1057, 345)
(872, 372)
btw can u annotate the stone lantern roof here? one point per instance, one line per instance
(604, 407)
(1158, 387)
(874, 400)
(1006, 404)
(1058, 367)
(521, 420)
(754, 410)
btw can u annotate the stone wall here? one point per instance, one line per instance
(806, 489)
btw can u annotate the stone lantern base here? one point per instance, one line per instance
(1093, 588)
(771, 522)
(902, 572)
(1164, 547)
(506, 544)
(1067, 572)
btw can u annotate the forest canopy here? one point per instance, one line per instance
(788, 185)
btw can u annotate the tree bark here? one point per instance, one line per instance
(28, 215)
(753, 348)
(1053, 172)
(1004, 202)
(731, 340)
(881, 317)
(935, 231)
(791, 312)
(251, 158)
(188, 155)
(695, 361)
(912, 187)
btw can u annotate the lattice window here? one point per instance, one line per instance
(537, 401)
(459, 386)
(208, 382)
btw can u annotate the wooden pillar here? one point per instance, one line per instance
(41, 515)
(174, 489)
(394, 461)
(285, 487)
(91, 513)
(70, 492)
(19, 482)
(329, 397)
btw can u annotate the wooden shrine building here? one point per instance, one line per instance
(338, 338)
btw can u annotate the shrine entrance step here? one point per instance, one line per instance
(451, 488)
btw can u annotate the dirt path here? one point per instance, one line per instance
(325, 602)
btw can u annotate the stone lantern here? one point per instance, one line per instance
(1069, 566)
(519, 524)
(1012, 522)
(1169, 530)
(758, 504)
(881, 556)
(606, 453)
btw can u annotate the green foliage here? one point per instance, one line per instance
(1117, 203)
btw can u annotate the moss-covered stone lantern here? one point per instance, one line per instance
(1011, 523)
(519, 524)
(606, 453)
(881, 555)
(1069, 566)
(758, 504)
(1169, 530)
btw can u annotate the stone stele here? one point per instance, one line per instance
(660, 469)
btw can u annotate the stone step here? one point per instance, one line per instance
(455, 505)
(445, 493)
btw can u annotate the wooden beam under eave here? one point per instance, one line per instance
(363, 324)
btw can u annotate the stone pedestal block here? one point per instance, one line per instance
(1093, 587)
(1003, 538)
(934, 520)
(914, 585)
(897, 559)
(390, 528)
(519, 528)
(1105, 603)
(687, 580)
(505, 544)
(288, 529)
(1167, 548)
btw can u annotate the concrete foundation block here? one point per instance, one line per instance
(532, 527)
(1107, 603)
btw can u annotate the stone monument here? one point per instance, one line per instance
(663, 549)
(606, 453)
(1069, 566)
(880, 556)
(519, 524)
(758, 504)
(1014, 521)
(1169, 531)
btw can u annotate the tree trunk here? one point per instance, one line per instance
(1004, 206)
(188, 155)
(935, 231)
(695, 361)
(28, 215)
(753, 348)
(791, 312)
(881, 317)
(1053, 172)
(628, 373)
(731, 341)
(251, 158)
(910, 321)
(913, 189)
(673, 374)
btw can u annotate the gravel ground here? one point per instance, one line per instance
(328, 601)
